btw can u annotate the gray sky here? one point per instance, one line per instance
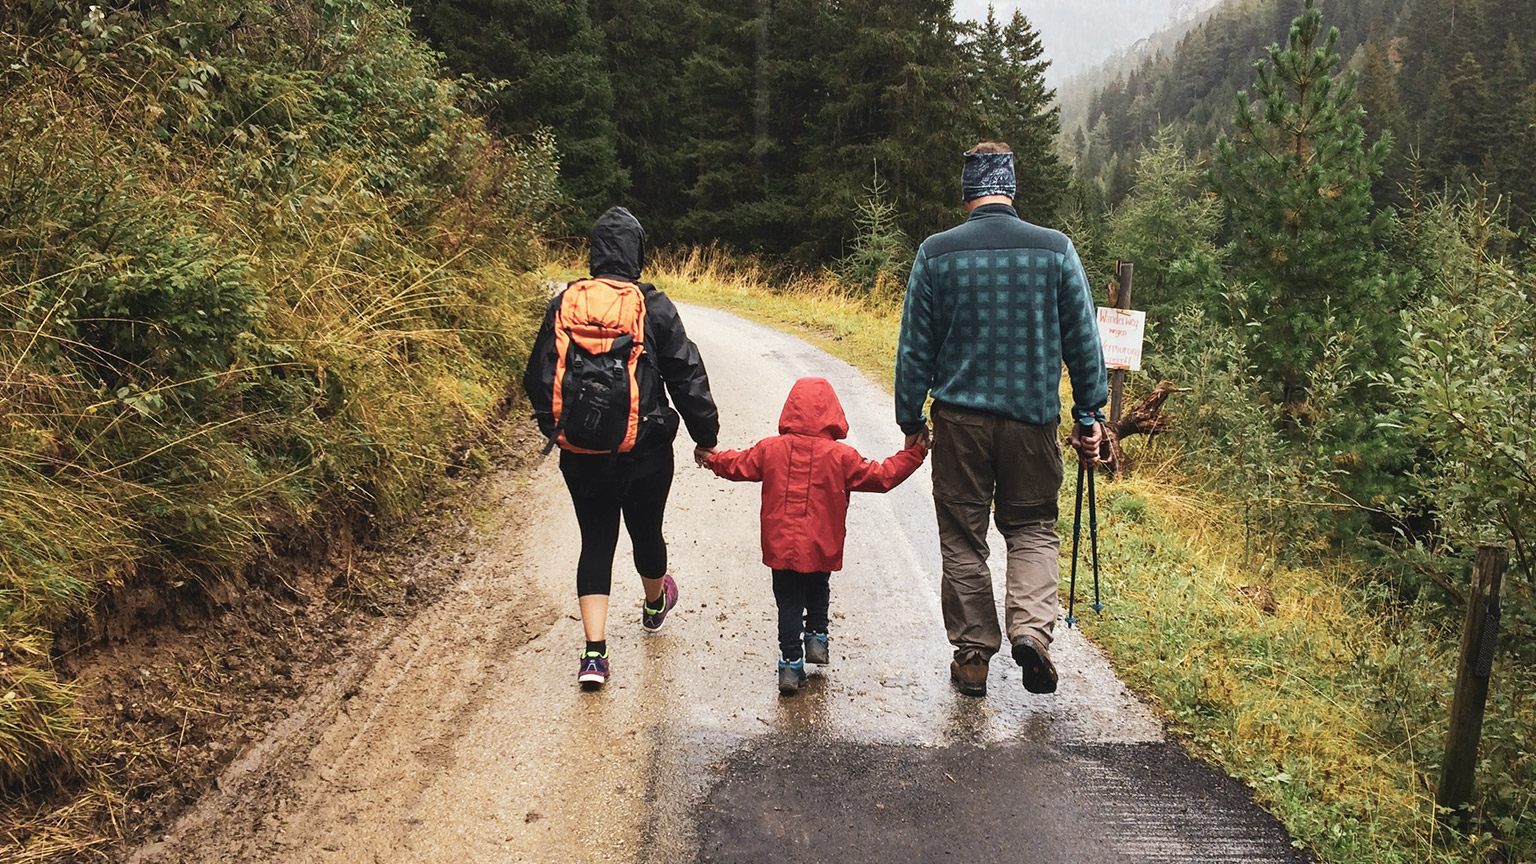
(1079, 33)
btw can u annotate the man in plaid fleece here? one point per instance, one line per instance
(994, 307)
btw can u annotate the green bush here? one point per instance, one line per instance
(1467, 390)
(1466, 385)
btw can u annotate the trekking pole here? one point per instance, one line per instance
(1093, 538)
(1077, 531)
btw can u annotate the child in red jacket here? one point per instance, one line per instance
(807, 474)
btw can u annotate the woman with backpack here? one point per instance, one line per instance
(610, 350)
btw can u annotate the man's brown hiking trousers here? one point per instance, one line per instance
(979, 460)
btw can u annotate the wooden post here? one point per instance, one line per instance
(1472, 674)
(1121, 300)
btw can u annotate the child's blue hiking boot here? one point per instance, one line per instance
(791, 676)
(816, 649)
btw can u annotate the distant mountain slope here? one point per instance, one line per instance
(1078, 35)
(1449, 80)
(1077, 91)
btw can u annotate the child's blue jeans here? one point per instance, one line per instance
(804, 600)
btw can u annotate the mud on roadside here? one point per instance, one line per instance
(179, 686)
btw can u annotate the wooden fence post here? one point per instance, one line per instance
(1472, 674)
(1121, 300)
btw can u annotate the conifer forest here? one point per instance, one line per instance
(268, 269)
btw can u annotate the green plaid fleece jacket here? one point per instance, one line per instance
(993, 308)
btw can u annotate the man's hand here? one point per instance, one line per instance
(922, 437)
(1087, 440)
(701, 456)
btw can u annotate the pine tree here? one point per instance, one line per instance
(1520, 173)
(1119, 179)
(1297, 178)
(1012, 104)
(1079, 146)
(1460, 121)
(1513, 19)
(646, 44)
(880, 254)
(791, 78)
(1379, 96)
(1096, 154)
(1423, 52)
(720, 127)
(1168, 227)
(1513, 133)
(1383, 118)
(895, 95)
(758, 68)
(550, 55)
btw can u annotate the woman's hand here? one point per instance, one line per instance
(701, 456)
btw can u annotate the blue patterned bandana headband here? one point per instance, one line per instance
(987, 174)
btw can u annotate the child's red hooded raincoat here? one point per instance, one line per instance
(807, 474)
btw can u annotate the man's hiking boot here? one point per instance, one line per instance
(652, 619)
(594, 670)
(816, 649)
(1039, 671)
(791, 676)
(969, 673)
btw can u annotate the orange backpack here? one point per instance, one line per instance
(599, 339)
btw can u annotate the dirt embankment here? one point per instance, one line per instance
(180, 683)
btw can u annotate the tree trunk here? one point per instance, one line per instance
(1145, 419)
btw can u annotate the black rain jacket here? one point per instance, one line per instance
(670, 358)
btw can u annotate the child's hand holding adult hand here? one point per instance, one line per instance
(922, 438)
(701, 456)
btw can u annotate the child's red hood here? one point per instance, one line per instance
(812, 409)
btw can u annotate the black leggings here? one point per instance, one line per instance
(804, 600)
(642, 501)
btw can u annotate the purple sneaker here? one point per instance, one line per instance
(594, 670)
(652, 621)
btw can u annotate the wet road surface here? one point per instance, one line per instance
(462, 737)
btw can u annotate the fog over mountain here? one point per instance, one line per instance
(1081, 33)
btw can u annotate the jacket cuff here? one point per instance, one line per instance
(914, 428)
(1080, 414)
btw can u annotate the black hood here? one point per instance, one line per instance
(618, 245)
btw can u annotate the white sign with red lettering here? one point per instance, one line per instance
(1121, 331)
